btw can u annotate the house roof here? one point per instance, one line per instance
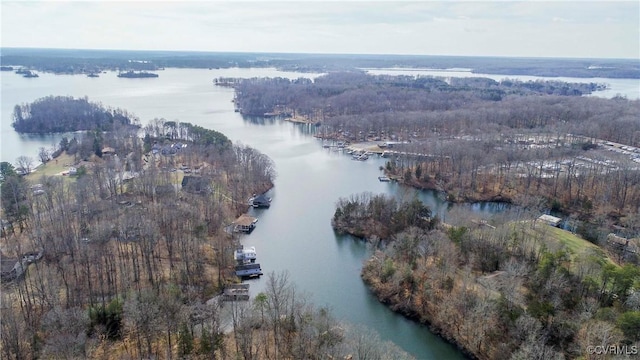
(261, 199)
(7, 263)
(245, 220)
(550, 219)
(195, 183)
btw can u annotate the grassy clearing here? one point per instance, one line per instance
(52, 168)
(553, 236)
(573, 242)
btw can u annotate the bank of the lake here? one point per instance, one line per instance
(295, 233)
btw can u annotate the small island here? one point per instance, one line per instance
(56, 114)
(30, 74)
(27, 73)
(138, 74)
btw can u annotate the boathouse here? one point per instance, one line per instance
(236, 292)
(248, 270)
(260, 201)
(244, 223)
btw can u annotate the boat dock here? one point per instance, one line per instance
(248, 270)
(244, 223)
(236, 292)
(246, 266)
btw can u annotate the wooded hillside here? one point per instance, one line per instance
(510, 289)
(540, 144)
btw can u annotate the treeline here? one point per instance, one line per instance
(447, 116)
(356, 93)
(479, 139)
(583, 68)
(568, 174)
(367, 215)
(175, 130)
(509, 290)
(66, 114)
(79, 61)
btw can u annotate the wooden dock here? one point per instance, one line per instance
(236, 292)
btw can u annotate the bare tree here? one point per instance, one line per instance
(142, 316)
(67, 333)
(14, 331)
(24, 163)
(43, 155)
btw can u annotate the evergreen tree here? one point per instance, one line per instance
(185, 341)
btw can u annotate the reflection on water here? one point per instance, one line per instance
(307, 129)
(260, 120)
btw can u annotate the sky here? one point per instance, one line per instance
(571, 29)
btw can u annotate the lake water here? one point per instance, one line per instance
(293, 235)
(177, 93)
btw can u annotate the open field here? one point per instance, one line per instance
(555, 238)
(52, 168)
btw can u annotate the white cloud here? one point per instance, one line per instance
(509, 28)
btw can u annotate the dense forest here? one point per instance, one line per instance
(70, 61)
(356, 93)
(118, 260)
(506, 289)
(53, 114)
(536, 143)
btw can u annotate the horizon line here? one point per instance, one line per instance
(315, 53)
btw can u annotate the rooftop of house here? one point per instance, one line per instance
(262, 198)
(7, 263)
(552, 220)
(245, 220)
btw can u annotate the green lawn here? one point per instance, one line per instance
(574, 243)
(52, 168)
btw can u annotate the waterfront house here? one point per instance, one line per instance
(551, 220)
(244, 223)
(245, 255)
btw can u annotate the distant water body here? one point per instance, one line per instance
(170, 96)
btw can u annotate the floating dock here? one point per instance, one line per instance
(248, 270)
